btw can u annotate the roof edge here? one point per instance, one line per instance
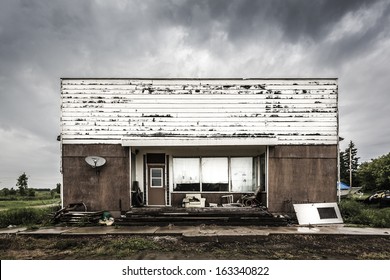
(196, 79)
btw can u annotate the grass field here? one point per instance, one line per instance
(27, 211)
(41, 199)
(15, 210)
(17, 204)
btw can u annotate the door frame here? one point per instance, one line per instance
(149, 187)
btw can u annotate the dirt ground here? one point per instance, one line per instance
(296, 247)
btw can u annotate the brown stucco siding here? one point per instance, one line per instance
(301, 174)
(109, 189)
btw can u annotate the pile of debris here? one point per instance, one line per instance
(233, 216)
(77, 214)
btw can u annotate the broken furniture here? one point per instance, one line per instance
(194, 200)
(251, 200)
(226, 200)
(137, 197)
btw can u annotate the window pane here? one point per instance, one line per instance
(156, 172)
(242, 175)
(156, 177)
(186, 174)
(215, 175)
(156, 182)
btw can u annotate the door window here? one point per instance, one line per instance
(156, 177)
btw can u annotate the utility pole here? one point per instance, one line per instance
(350, 167)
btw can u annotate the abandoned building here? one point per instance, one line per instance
(216, 139)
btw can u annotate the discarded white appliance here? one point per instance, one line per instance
(318, 213)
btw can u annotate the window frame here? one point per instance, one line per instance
(151, 177)
(255, 172)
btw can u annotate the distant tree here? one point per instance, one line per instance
(42, 190)
(5, 192)
(349, 161)
(375, 175)
(12, 191)
(22, 184)
(58, 188)
(31, 192)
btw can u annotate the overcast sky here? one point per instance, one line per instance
(42, 41)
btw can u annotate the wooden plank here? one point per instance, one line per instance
(117, 125)
(168, 112)
(111, 108)
(210, 125)
(99, 114)
(266, 105)
(143, 92)
(191, 142)
(257, 118)
(312, 135)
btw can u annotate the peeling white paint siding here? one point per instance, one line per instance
(293, 111)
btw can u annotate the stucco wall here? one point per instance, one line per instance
(301, 174)
(101, 191)
(297, 174)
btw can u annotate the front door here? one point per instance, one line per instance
(156, 180)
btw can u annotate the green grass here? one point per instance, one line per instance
(29, 217)
(355, 212)
(40, 199)
(17, 204)
(27, 211)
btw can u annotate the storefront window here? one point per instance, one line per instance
(211, 174)
(242, 173)
(186, 174)
(215, 176)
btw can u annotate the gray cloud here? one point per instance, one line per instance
(41, 41)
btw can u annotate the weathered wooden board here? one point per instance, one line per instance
(294, 111)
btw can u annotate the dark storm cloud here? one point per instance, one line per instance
(312, 19)
(246, 19)
(41, 41)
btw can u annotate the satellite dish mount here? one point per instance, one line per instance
(95, 162)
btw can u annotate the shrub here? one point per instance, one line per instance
(25, 216)
(350, 208)
(355, 212)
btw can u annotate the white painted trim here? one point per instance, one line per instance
(187, 142)
(145, 175)
(266, 175)
(61, 149)
(130, 179)
(151, 178)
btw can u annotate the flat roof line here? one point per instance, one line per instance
(199, 79)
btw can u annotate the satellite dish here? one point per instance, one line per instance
(95, 161)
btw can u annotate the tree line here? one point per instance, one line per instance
(23, 190)
(370, 176)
